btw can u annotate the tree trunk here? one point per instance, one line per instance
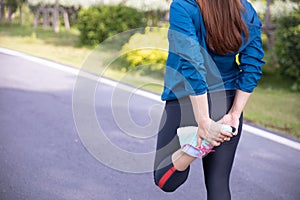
(268, 27)
(2, 10)
(10, 13)
(46, 18)
(66, 20)
(21, 14)
(167, 16)
(55, 14)
(37, 16)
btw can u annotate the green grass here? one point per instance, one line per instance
(44, 43)
(272, 104)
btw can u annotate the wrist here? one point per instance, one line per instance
(235, 115)
(203, 120)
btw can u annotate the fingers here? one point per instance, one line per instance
(222, 137)
(225, 134)
(228, 131)
(199, 142)
(230, 120)
(215, 133)
(214, 143)
(235, 132)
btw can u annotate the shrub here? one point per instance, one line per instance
(287, 47)
(147, 53)
(98, 23)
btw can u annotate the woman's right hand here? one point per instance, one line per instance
(212, 132)
(207, 128)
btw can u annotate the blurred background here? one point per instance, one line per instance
(68, 31)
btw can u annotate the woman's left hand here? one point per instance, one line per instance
(231, 120)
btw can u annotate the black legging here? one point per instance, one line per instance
(217, 165)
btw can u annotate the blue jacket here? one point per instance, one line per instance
(193, 69)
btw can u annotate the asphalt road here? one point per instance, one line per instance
(42, 156)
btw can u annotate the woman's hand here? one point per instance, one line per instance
(233, 116)
(207, 128)
(232, 120)
(212, 132)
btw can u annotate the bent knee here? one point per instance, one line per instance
(167, 178)
(166, 187)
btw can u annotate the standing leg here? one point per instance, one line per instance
(217, 165)
(217, 168)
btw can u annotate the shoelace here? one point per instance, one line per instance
(203, 149)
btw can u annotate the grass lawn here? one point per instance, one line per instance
(272, 105)
(44, 43)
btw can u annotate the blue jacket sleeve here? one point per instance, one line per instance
(251, 55)
(183, 42)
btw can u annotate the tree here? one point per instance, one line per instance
(20, 5)
(268, 26)
(55, 10)
(57, 7)
(2, 10)
(55, 19)
(271, 10)
(12, 7)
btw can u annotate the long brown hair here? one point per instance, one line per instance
(224, 24)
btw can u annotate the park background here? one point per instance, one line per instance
(68, 32)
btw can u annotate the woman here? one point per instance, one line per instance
(228, 33)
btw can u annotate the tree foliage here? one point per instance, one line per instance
(287, 46)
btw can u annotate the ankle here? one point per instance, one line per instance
(181, 160)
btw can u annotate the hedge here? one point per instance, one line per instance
(98, 23)
(147, 53)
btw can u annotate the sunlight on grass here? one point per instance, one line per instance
(275, 109)
(44, 44)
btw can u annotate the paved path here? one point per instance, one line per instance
(42, 157)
